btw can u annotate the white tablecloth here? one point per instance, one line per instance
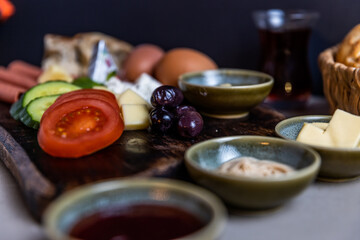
(328, 211)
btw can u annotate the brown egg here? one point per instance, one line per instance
(181, 60)
(142, 59)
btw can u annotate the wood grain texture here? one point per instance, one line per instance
(136, 154)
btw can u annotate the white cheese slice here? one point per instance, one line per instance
(136, 116)
(311, 134)
(344, 128)
(131, 97)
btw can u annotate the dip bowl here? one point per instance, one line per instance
(77, 204)
(337, 164)
(225, 93)
(203, 159)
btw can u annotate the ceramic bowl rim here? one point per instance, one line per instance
(324, 148)
(309, 170)
(213, 228)
(269, 79)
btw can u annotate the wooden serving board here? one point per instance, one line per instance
(136, 153)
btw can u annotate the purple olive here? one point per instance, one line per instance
(190, 124)
(161, 119)
(183, 109)
(167, 96)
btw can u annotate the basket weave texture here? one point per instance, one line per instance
(341, 83)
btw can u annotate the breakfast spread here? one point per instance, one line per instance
(253, 167)
(342, 131)
(79, 116)
(93, 88)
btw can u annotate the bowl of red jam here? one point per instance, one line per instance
(135, 209)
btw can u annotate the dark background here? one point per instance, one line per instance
(223, 29)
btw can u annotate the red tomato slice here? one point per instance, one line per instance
(80, 127)
(86, 93)
(80, 92)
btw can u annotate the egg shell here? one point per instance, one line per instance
(142, 59)
(179, 61)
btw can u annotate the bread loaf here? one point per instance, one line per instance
(74, 53)
(349, 49)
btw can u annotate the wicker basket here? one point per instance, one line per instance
(341, 83)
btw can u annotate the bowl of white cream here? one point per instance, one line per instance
(253, 172)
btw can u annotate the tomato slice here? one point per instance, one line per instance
(81, 92)
(80, 127)
(86, 93)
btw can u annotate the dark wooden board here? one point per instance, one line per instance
(137, 153)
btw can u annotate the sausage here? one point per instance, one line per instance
(24, 68)
(10, 93)
(16, 79)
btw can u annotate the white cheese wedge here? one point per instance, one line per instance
(136, 116)
(344, 128)
(145, 86)
(115, 85)
(311, 134)
(131, 97)
(321, 125)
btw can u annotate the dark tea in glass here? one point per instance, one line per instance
(284, 37)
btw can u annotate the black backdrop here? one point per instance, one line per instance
(223, 29)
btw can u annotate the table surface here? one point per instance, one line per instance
(323, 211)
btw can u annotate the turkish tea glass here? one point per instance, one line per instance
(284, 37)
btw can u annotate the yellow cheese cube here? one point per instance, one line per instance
(344, 128)
(136, 116)
(311, 134)
(131, 97)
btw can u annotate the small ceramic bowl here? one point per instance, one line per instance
(203, 159)
(225, 93)
(83, 201)
(338, 164)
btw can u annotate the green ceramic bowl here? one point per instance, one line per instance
(338, 164)
(203, 159)
(225, 93)
(75, 204)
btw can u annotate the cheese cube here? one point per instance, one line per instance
(130, 97)
(311, 134)
(344, 128)
(136, 116)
